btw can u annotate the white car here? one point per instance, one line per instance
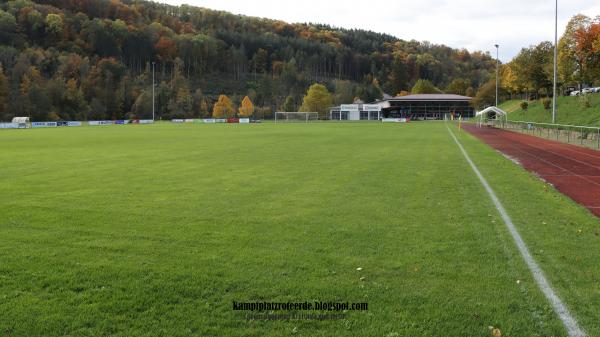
(587, 91)
(575, 93)
(596, 89)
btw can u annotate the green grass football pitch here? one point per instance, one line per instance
(154, 230)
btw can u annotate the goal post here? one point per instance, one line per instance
(282, 116)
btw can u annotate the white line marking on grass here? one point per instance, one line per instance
(560, 308)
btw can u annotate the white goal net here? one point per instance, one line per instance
(296, 117)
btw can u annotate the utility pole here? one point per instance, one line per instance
(497, 66)
(153, 90)
(555, 61)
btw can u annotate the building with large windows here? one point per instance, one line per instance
(413, 107)
(356, 112)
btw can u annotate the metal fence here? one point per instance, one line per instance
(573, 134)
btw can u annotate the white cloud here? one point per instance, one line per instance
(471, 24)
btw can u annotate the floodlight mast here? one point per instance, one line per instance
(555, 61)
(153, 90)
(497, 65)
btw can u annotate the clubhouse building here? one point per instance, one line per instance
(413, 107)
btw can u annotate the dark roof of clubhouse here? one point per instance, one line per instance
(430, 97)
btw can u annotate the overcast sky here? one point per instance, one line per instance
(471, 24)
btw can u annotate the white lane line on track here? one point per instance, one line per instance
(563, 156)
(558, 147)
(570, 323)
(572, 174)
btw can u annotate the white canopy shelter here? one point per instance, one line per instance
(491, 115)
(22, 122)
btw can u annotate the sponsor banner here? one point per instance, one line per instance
(68, 123)
(177, 120)
(188, 120)
(209, 120)
(233, 120)
(44, 124)
(349, 107)
(244, 120)
(120, 122)
(146, 121)
(9, 125)
(220, 120)
(395, 120)
(371, 107)
(100, 123)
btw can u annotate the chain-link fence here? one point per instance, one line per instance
(588, 136)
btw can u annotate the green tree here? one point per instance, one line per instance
(4, 93)
(370, 90)
(398, 76)
(35, 101)
(317, 99)
(54, 25)
(260, 61)
(142, 107)
(344, 92)
(289, 105)
(74, 101)
(425, 87)
(204, 108)
(33, 23)
(533, 68)
(541, 74)
(458, 86)
(180, 106)
(104, 83)
(486, 95)
(8, 28)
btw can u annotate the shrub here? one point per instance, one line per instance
(584, 100)
(547, 103)
(524, 105)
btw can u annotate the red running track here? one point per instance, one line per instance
(573, 170)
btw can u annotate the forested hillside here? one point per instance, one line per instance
(92, 59)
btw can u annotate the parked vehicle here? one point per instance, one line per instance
(569, 90)
(575, 93)
(587, 91)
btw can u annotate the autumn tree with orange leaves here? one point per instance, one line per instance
(579, 50)
(223, 108)
(247, 108)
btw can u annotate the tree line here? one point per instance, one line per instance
(94, 59)
(529, 75)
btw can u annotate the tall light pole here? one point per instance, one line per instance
(555, 61)
(153, 90)
(497, 65)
